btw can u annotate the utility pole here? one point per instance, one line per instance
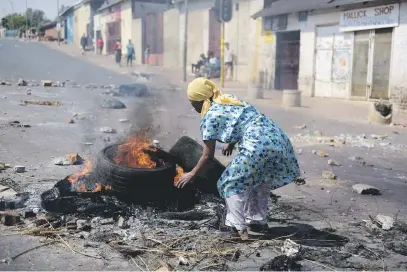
(185, 41)
(12, 15)
(26, 19)
(58, 25)
(222, 55)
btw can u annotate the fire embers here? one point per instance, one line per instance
(180, 173)
(81, 180)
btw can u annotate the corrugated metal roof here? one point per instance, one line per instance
(290, 6)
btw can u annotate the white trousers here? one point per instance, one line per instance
(249, 208)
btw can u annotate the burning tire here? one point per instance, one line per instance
(188, 152)
(143, 185)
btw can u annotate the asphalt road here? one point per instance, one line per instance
(325, 203)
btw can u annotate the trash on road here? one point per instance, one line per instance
(46, 83)
(21, 82)
(333, 163)
(328, 174)
(290, 248)
(365, 189)
(43, 103)
(19, 169)
(69, 159)
(107, 130)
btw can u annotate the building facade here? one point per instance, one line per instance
(352, 51)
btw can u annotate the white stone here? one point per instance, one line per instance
(19, 168)
(107, 130)
(387, 222)
(365, 189)
(290, 248)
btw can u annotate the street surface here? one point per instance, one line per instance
(321, 203)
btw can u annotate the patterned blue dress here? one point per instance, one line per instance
(265, 152)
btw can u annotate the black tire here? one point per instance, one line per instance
(144, 186)
(187, 153)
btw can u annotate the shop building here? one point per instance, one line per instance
(340, 49)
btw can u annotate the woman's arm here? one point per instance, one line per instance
(207, 154)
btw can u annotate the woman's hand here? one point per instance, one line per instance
(228, 149)
(186, 179)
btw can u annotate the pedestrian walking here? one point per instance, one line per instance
(100, 45)
(266, 158)
(147, 54)
(84, 42)
(118, 51)
(130, 53)
(228, 61)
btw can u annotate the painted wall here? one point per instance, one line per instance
(240, 33)
(126, 24)
(398, 68)
(171, 39)
(137, 38)
(81, 20)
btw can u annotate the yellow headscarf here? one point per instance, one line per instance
(202, 89)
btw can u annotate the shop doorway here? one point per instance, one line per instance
(287, 60)
(371, 63)
(153, 37)
(112, 36)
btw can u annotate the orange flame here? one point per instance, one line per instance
(85, 171)
(131, 153)
(177, 178)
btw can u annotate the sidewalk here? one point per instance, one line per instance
(316, 107)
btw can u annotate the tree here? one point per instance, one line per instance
(35, 17)
(4, 22)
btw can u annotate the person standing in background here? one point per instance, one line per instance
(84, 42)
(228, 61)
(100, 45)
(147, 54)
(118, 52)
(130, 53)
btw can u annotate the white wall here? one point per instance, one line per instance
(398, 70)
(137, 38)
(171, 39)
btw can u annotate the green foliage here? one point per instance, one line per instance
(35, 18)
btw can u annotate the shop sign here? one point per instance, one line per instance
(113, 15)
(370, 18)
(268, 36)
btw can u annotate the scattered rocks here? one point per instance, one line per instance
(106, 221)
(333, 163)
(301, 127)
(43, 103)
(9, 218)
(359, 160)
(122, 223)
(124, 120)
(18, 124)
(182, 261)
(290, 248)
(107, 130)
(112, 103)
(364, 189)
(70, 121)
(19, 169)
(136, 89)
(5, 83)
(82, 225)
(21, 82)
(385, 221)
(379, 137)
(328, 175)
(6, 192)
(46, 83)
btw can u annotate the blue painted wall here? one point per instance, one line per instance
(69, 28)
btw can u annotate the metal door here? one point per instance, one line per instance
(360, 63)
(332, 62)
(287, 62)
(381, 63)
(153, 37)
(112, 36)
